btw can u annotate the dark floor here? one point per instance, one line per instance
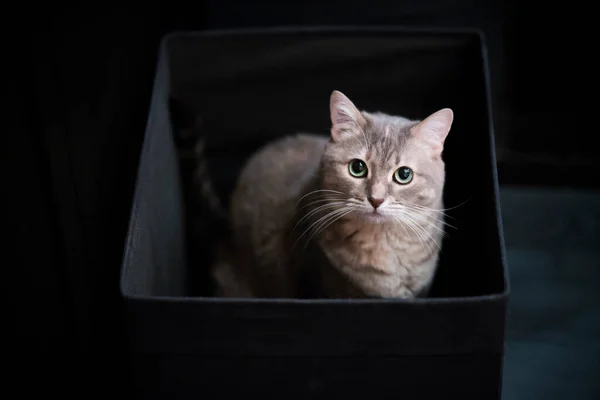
(553, 250)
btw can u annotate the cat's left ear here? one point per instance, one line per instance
(435, 128)
(345, 117)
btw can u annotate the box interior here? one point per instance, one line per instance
(253, 87)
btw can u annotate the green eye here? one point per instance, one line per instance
(357, 168)
(403, 175)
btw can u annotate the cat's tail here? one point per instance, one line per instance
(202, 197)
(204, 184)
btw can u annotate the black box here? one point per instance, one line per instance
(253, 86)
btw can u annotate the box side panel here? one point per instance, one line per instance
(472, 187)
(426, 377)
(318, 329)
(154, 262)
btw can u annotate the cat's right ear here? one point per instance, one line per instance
(435, 128)
(345, 117)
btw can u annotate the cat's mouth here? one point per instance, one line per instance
(374, 215)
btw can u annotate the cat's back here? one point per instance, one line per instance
(281, 167)
(273, 178)
(263, 204)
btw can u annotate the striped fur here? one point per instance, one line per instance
(203, 182)
(191, 145)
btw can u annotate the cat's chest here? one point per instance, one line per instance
(381, 261)
(379, 248)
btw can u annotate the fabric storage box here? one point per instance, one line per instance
(252, 86)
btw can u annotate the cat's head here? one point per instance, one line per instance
(382, 165)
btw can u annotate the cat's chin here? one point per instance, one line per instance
(374, 216)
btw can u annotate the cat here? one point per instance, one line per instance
(354, 214)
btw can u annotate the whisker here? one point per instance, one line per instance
(411, 225)
(316, 210)
(321, 219)
(318, 191)
(328, 223)
(443, 209)
(420, 212)
(424, 219)
(432, 211)
(426, 234)
(318, 220)
(327, 217)
(426, 211)
(321, 201)
(399, 221)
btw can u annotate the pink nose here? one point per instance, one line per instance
(375, 202)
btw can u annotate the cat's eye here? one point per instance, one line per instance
(357, 168)
(403, 175)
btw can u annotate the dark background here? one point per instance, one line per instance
(78, 85)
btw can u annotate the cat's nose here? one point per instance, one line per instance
(375, 202)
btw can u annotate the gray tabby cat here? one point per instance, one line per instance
(355, 214)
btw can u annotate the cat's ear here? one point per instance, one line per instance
(345, 117)
(435, 128)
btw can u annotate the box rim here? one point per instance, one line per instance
(488, 298)
(496, 183)
(323, 29)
